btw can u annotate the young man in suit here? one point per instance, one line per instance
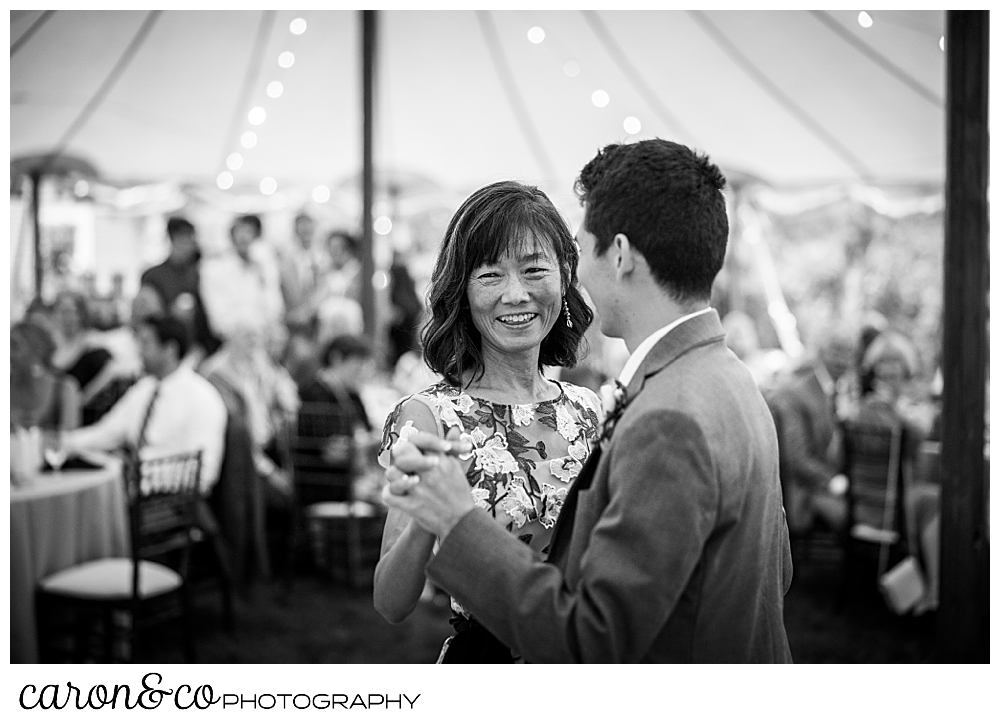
(672, 544)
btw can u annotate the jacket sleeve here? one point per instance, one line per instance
(662, 505)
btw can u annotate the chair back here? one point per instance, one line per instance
(323, 453)
(163, 494)
(874, 468)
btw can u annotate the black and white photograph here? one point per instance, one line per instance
(550, 336)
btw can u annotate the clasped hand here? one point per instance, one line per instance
(426, 482)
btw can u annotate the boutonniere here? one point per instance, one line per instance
(614, 397)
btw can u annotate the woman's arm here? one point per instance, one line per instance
(406, 547)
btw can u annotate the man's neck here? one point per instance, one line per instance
(647, 317)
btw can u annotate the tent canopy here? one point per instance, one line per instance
(465, 97)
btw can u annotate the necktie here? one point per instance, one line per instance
(141, 439)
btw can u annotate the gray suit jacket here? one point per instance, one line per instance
(672, 545)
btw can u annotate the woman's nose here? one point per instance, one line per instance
(514, 290)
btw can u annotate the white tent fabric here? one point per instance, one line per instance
(465, 98)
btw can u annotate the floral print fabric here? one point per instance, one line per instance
(524, 457)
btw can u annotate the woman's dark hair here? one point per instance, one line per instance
(491, 223)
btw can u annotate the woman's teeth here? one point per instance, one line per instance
(516, 318)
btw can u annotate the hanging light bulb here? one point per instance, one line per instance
(571, 68)
(81, 188)
(268, 185)
(382, 225)
(600, 98)
(286, 59)
(536, 35)
(256, 116)
(321, 194)
(297, 26)
(234, 162)
(865, 20)
(941, 43)
(275, 89)
(248, 139)
(224, 180)
(632, 125)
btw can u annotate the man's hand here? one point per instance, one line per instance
(426, 482)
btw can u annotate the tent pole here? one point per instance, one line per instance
(963, 616)
(368, 32)
(36, 188)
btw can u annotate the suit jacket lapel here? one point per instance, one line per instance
(691, 334)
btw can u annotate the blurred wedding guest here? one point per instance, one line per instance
(172, 409)
(245, 366)
(240, 287)
(346, 362)
(742, 339)
(872, 325)
(406, 311)
(809, 439)
(78, 352)
(172, 287)
(301, 265)
(892, 362)
(339, 297)
(41, 395)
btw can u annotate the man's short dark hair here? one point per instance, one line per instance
(178, 225)
(344, 347)
(668, 201)
(251, 220)
(168, 329)
(488, 225)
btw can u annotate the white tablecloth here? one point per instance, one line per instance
(56, 521)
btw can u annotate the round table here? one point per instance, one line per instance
(57, 520)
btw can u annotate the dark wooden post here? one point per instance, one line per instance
(36, 226)
(963, 616)
(368, 48)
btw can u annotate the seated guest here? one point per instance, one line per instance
(346, 361)
(77, 352)
(890, 363)
(170, 410)
(41, 395)
(809, 439)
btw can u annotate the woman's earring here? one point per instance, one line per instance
(569, 319)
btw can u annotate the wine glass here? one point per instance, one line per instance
(55, 449)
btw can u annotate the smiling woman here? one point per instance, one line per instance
(504, 303)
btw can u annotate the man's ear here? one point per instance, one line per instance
(624, 255)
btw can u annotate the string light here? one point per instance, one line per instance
(81, 188)
(865, 20)
(321, 194)
(941, 43)
(297, 26)
(571, 68)
(380, 280)
(256, 116)
(224, 180)
(234, 162)
(632, 125)
(275, 89)
(268, 185)
(600, 98)
(382, 225)
(286, 59)
(536, 35)
(248, 139)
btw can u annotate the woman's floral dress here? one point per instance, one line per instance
(524, 457)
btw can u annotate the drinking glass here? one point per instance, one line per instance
(55, 449)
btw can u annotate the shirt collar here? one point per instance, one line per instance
(636, 358)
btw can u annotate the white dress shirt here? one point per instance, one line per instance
(636, 358)
(242, 296)
(188, 415)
